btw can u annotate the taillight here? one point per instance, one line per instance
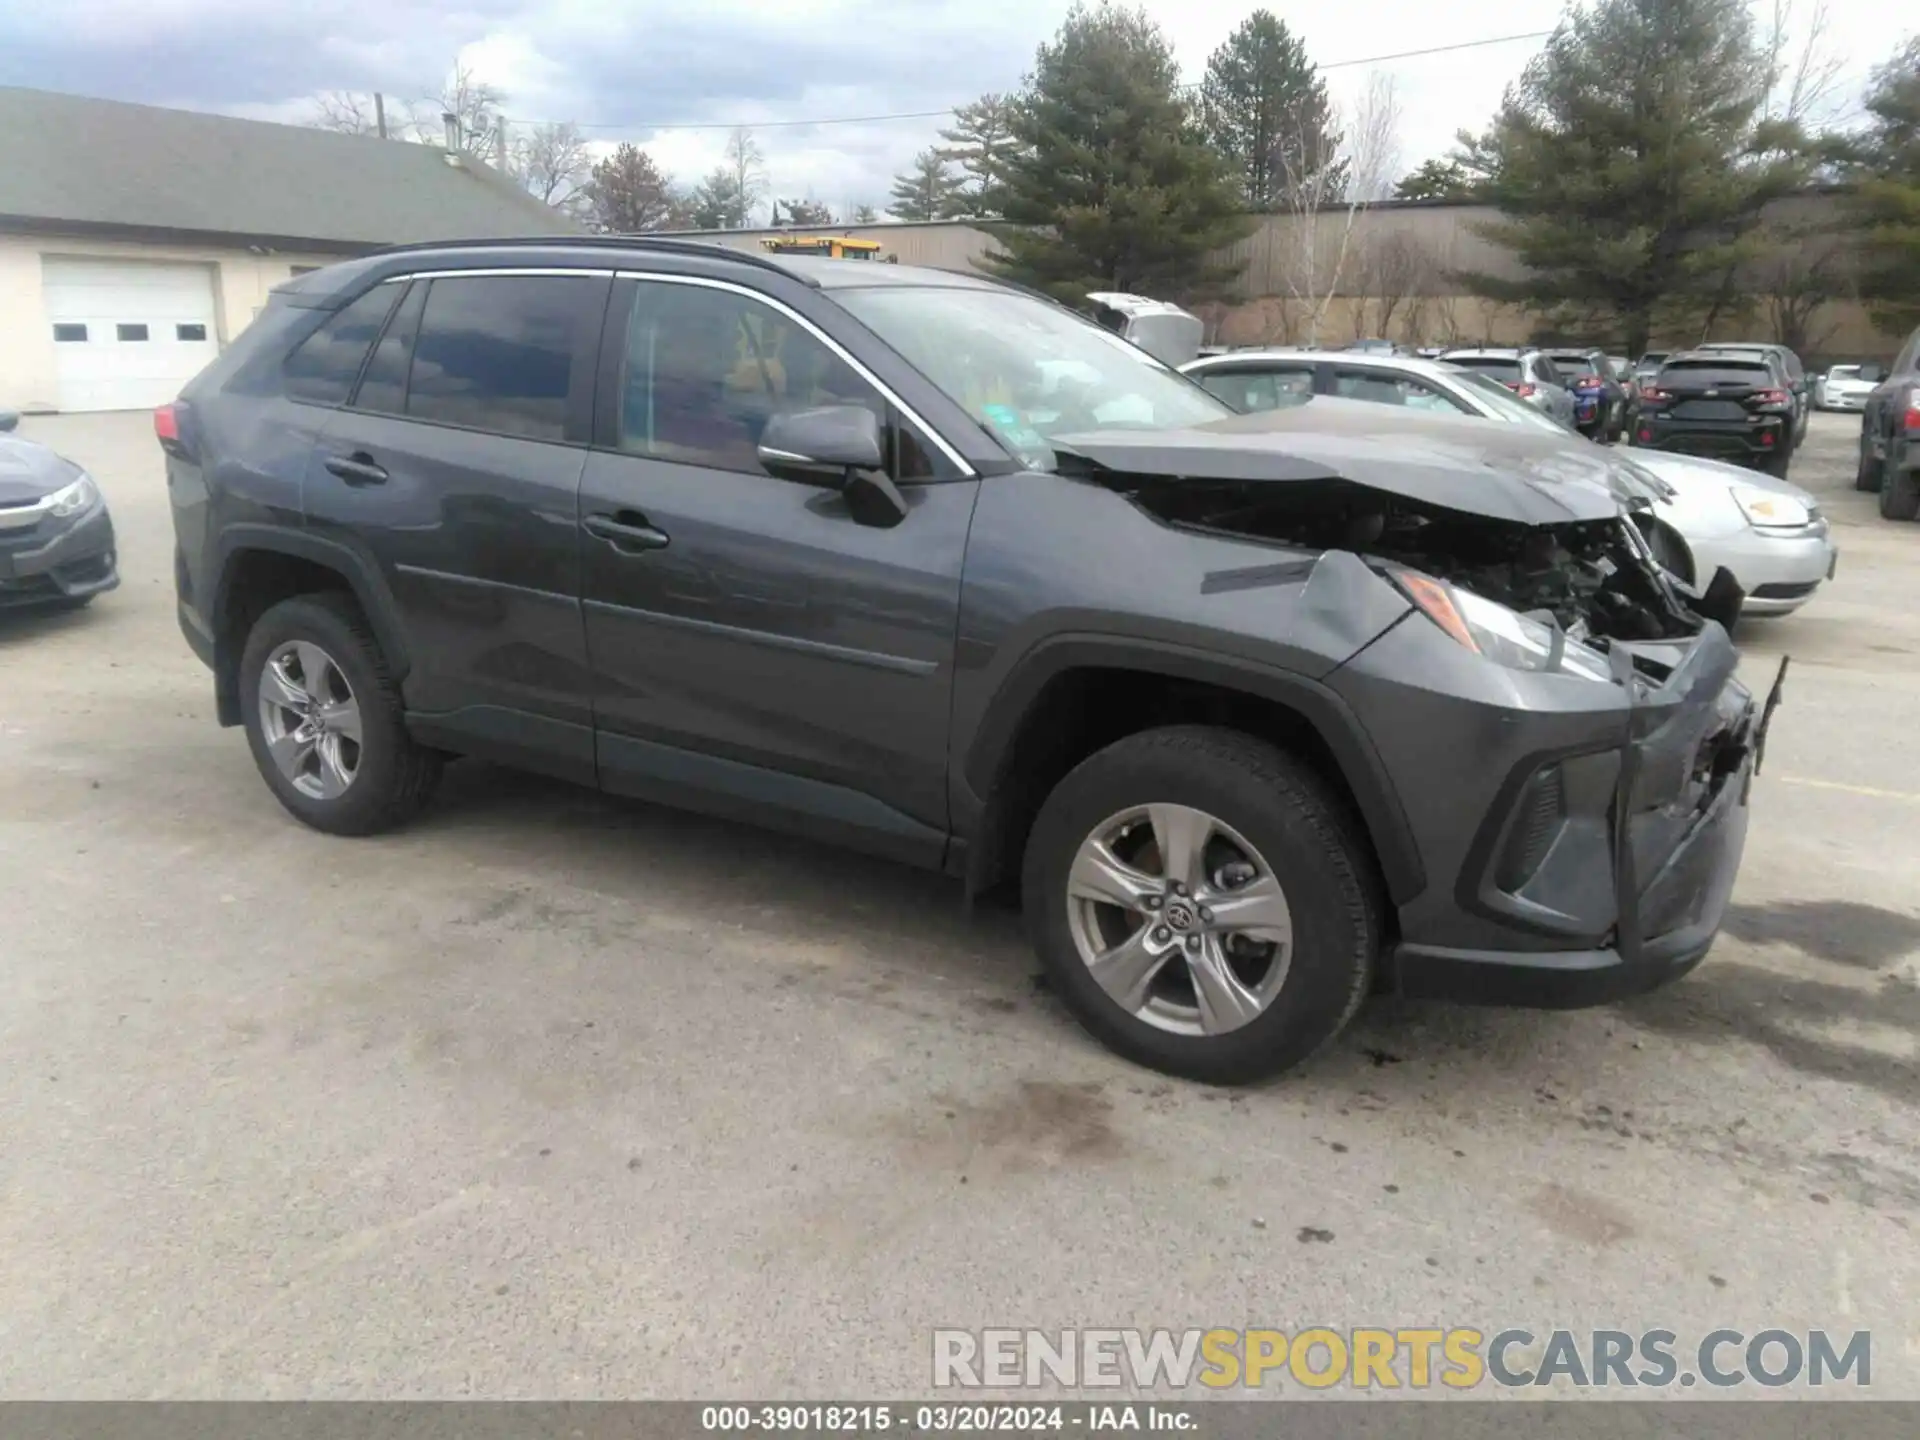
(1771, 397)
(1520, 388)
(166, 423)
(1912, 421)
(1656, 395)
(1587, 380)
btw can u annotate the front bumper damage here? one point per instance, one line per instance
(1602, 870)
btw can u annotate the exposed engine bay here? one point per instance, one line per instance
(1599, 579)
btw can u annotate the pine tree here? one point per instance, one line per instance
(865, 215)
(980, 142)
(1264, 107)
(1436, 180)
(1631, 163)
(1111, 186)
(1886, 206)
(628, 194)
(928, 191)
(717, 204)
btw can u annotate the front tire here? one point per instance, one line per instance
(325, 720)
(1202, 904)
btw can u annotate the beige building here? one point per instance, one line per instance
(136, 241)
(1392, 272)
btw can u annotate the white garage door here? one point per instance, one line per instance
(127, 333)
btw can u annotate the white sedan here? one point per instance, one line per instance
(1845, 387)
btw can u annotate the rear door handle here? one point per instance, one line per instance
(626, 530)
(356, 469)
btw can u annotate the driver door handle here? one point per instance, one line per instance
(626, 530)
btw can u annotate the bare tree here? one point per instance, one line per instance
(746, 167)
(1805, 67)
(552, 163)
(1390, 271)
(1798, 277)
(1326, 191)
(475, 107)
(347, 112)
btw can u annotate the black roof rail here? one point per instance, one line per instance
(702, 248)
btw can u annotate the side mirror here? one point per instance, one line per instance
(837, 447)
(9, 420)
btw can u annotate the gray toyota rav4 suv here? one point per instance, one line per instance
(1257, 712)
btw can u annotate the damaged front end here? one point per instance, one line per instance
(1580, 840)
(1566, 540)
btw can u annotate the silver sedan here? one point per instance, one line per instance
(1768, 533)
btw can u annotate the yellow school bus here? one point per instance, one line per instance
(833, 247)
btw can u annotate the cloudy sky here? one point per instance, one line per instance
(650, 70)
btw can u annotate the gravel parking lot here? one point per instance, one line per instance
(557, 1096)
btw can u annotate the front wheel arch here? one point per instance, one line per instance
(990, 778)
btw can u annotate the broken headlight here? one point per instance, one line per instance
(1504, 636)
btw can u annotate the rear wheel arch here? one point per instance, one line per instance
(1074, 696)
(259, 566)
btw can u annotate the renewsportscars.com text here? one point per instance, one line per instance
(1412, 1358)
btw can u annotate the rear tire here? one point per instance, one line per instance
(371, 776)
(1899, 494)
(1868, 477)
(1281, 821)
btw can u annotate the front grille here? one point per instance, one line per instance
(1536, 823)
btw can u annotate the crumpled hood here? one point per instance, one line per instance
(1470, 464)
(29, 471)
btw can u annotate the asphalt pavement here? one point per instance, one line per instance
(556, 1096)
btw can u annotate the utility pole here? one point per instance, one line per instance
(380, 113)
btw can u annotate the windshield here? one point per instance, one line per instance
(1028, 370)
(1494, 365)
(1844, 372)
(1572, 362)
(1497, 398)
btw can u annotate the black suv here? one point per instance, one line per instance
(1732, 405)
(1246, 706)
(1890, 437)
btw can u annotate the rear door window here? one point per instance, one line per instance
(323, 367)
(1383, 388)
(1252, 390)
(509, 354)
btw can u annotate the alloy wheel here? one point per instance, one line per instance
(1180, 919)
(310, 719)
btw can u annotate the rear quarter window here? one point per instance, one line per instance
(322, 368)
